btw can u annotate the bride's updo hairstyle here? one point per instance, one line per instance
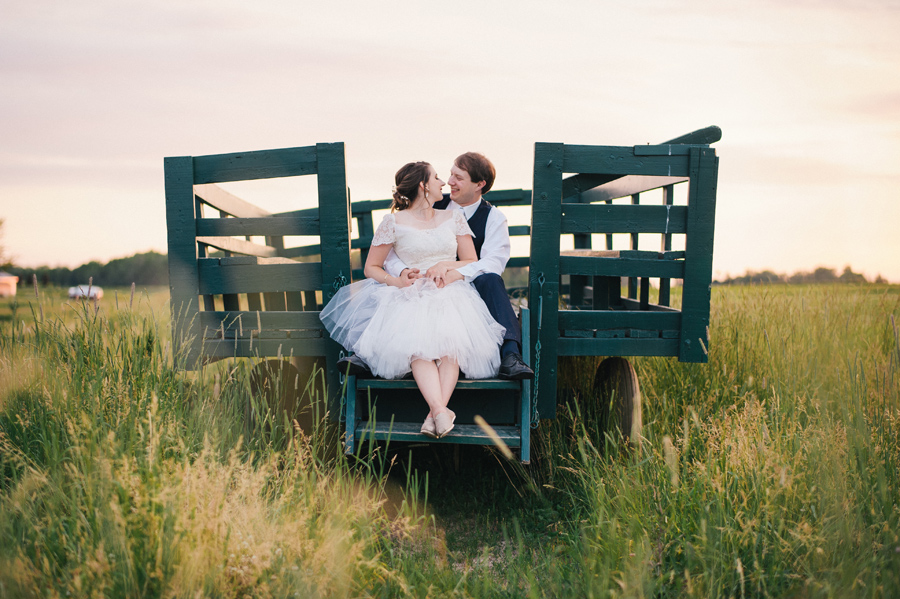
(406, 184)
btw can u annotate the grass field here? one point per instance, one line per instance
(774, 470)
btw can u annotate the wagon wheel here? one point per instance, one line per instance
(617, 389)
(294, 388)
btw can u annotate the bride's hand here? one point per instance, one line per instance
(408, 276)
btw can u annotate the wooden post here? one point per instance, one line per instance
(334, 218)
(543, 276)
(184, 283)
(698, 255)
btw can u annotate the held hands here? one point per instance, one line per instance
(450, 276)
(407, 277)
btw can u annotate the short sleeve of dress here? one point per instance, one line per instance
(462, 226)
(384, 235)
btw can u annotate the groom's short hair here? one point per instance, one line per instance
(479, 169)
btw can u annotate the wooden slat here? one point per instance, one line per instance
(216, 277)
(632, 304)
(661, 150)
(367, 206)
(247, 166)
(617, 160)
(618, 319)
(227, 202)
(251, 321)
(519, 230)
(611, 218)
(238, 246)
(509, 197)
(699, 252)
(620, 267)
(617, 347)
(576, 185)
(462, 434)
(629, 185)
(411, 384)
(251, 348)
(707, 135)
(183, 272)
(301, 251)
(266, 226)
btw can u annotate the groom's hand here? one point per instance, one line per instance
(436, 272)
(452, 276)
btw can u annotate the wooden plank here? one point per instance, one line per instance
(618, 347)
(661, 150)
(707, 135)
(266, 226)
(635, 305)
(248, 166)
(519, 230)
(618, 319)
(621, 267)
(246, 321)
(574, 187)
(183, 273)
(509, 197)
(623, 187)
(464, 384)
(239, 246)
(618, 160)
(305, 213)
(226, 202)
(216, 278)
(462, 434)
(612, 218)
(698, 249)
(368, 206)
(543, 277)
(253, 348)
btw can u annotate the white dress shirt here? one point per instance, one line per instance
(494, 252)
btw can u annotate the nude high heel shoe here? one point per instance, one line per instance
(443, 422)
(428, 428)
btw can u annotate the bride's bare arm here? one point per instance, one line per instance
(375, 267)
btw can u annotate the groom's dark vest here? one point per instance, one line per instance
(477, 223)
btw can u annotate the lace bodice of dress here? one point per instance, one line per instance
(421, 247)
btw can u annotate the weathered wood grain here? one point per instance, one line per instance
(248, 166)
(613, 218)
(265, 226)
(227, 202)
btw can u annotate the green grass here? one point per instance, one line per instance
(773, 470)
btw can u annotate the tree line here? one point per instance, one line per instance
(147, 269)
(819, 275)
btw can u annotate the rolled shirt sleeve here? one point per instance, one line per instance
(494, 252)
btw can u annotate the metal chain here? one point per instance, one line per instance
(537, 353)
(339, 281)
(341, 378)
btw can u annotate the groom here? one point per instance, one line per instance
(471, 176)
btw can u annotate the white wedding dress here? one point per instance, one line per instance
(388, 327)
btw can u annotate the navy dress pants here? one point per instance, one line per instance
(492, 290)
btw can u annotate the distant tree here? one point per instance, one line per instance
(150, 268)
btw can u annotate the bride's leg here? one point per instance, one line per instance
(427, 377)
(448, 372)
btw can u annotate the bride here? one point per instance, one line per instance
(398, 325)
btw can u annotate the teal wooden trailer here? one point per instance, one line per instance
(237, 291)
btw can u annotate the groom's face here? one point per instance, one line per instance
(463, 190)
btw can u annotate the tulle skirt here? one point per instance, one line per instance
(389, 327)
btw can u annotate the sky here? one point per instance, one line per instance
(807, 93)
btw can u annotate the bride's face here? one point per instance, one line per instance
(434, 192)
